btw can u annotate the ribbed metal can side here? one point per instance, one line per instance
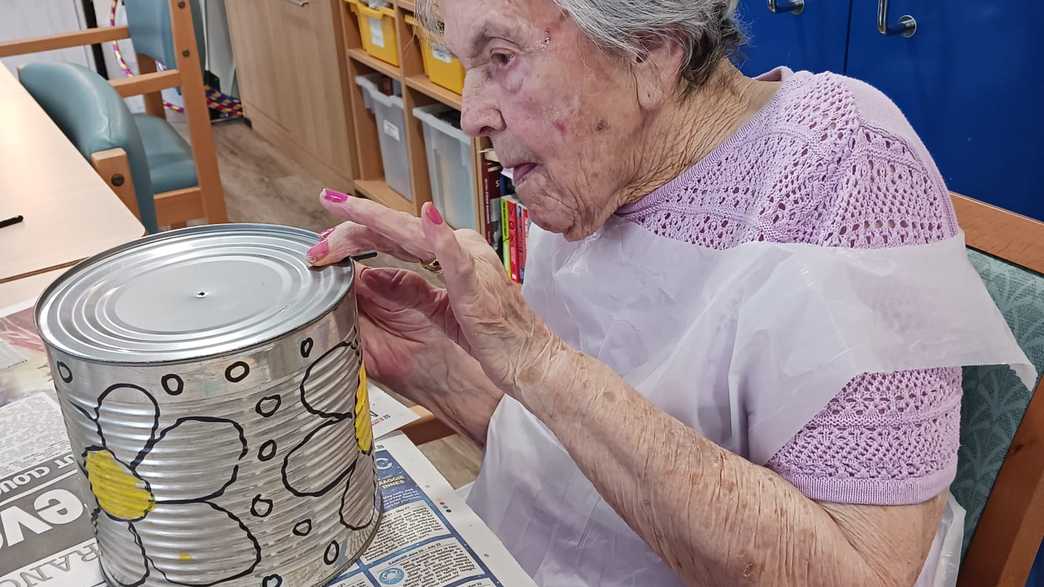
(229, 470)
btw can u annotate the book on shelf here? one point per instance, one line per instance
(505, 235)
(512, 205)
(523, 241)
(515, 226)
(491, 198)
(508, 221)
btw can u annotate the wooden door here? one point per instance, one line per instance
(290, 62)
(315, 66)
(253, 48)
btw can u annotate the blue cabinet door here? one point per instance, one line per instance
(814, 40)
(969, 82)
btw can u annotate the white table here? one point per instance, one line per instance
(70, 213)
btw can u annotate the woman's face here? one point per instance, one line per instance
(559, 111)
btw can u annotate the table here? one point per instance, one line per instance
(27, 288)
(70, 213)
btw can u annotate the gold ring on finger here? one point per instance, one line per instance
(432, 266)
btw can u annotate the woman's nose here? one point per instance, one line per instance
(480, 114)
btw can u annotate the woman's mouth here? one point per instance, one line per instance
(521, 171)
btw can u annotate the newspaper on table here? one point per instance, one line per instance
(428, 536)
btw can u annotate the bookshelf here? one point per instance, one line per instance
(417, 90)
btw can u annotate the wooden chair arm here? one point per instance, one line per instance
(63, 41)
(146, 83)
(114, 168)
(1001, 233)
(427, 429)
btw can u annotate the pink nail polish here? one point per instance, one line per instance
(326, 233)
(433, 215)
(319, 251)
(334, 196)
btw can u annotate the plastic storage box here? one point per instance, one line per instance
(391, 128)
(377, 29)
(440, 65)
(451, 166)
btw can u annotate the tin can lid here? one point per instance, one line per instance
(190, 294)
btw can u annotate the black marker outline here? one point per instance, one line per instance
(63, 372)
(250, 535)
(307, 523)
(236, 365)
(326, 489)
(258, 500)
(269, 446)
(235, 468)
(177, 378)
(327, 557)
(304, 380)
(155, 420)
(268, 398)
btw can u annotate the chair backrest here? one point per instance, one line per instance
(150, 30)
(94, 118)
(994, 399)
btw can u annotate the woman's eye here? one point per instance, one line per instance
(501, 59)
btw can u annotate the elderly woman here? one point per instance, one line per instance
(736, 357)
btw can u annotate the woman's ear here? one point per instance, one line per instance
(656, 74)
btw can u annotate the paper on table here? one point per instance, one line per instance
(387, 413)
(36, 466)
(30, 373)
(428, 536)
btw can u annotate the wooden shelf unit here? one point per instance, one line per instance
(417, 90)
(372, 62)
(422, 84)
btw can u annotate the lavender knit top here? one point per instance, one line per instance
(831, 161)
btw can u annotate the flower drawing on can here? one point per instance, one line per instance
(337, 431)
(127, 469)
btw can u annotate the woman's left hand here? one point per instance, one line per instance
(496, 326)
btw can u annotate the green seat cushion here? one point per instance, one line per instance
(171, 166)
(994, 398)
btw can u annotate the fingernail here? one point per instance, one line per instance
(316, 253)
(433, 215)
(325, 233)
(334, 196)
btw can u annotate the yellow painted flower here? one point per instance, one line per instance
(121, 494)
(363, 423)
(129, 465)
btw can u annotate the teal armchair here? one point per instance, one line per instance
(96, 119)
(162, 178)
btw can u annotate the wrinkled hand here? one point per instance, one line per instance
(483, 311)
(404, 321)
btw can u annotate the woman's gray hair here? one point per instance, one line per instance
(706, 30)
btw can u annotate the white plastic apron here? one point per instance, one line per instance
(745, 345)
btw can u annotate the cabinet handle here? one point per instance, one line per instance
(906, 26)
(298, 3)
(794, 7)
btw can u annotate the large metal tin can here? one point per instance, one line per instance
(213, 390)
